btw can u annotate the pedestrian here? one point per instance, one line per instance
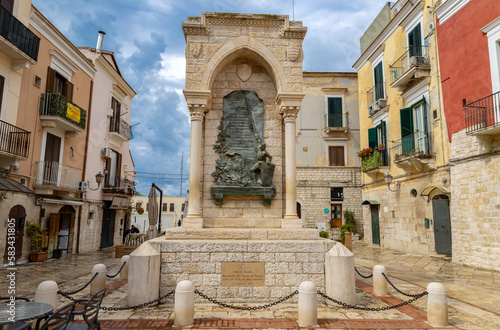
(179, 223)
(134, 230)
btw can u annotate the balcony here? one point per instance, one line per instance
(376, 99)
(50, 176)
(117, 186)
(58, 111)
(414, 152)
(14, 141)
(482, 119)
(412, 66)
(119, 132)
(17, 41)
(337, 123)
(375, 163)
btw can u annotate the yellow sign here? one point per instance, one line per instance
(243, 274)
(73, 112)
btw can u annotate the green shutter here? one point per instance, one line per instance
(372, 137)
(384, 134)
(379, 81)
(335, 112)
(415, 41)
(407, 139)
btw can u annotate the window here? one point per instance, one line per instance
(336, 154)
(414, 128)
(57, 84)
(115, 120)
(337, 194)
(336, 215)
(377, 138)
(335, 112)
(165, 207)
(182, 207)
(8, 5)
(378, 78)
(171, 207)
(2, 82)
(415, 41)
(113, 169)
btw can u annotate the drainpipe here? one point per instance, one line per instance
(159, 213)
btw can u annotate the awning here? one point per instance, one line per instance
(7, 184)
(429, 190)
(61, 201)
(370, 202)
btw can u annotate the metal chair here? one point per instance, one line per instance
(90, 312)
(59, 319)
(20, 325)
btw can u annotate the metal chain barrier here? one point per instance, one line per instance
(245, 308)
(66, 294)
(377, 309)
(371, 275)
(138, 306)
(111, 276)
(403, 293)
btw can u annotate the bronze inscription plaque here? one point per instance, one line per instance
(243, 274)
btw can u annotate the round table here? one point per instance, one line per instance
(24, 311)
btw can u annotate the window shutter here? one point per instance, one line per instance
(372, 137)
(335, 112)
(8, 5)
(379, 82)
(340, 156)
(407, 140)
(68, 90)
(2, 81)
(51, 79)
(384, 133)
(414, 41)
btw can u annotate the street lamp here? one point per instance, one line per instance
(98, 178)
(388, 180)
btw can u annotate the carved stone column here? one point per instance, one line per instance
(198, 105)
(289, 107)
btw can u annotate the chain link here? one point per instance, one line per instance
(111, 276)
(371, 275)
(403, 293)
(245, 308)
(157, 300)
(377, 309)
(65, 294)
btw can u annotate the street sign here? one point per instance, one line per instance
(327, 210)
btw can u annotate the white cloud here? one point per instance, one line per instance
(173, 67)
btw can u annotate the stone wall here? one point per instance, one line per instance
(90, 229)
(475, 203)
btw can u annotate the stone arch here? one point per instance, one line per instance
(244, 46)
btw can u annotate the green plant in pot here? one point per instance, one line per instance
(349, 225)
(34, 232)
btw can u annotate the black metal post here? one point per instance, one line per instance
(159, 213)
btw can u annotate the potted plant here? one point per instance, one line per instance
(349, 225)
(381, 147)
(34, 232)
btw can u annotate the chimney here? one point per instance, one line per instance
(100, 39)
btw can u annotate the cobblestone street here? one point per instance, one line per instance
(473, 295)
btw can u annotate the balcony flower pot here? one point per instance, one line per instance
(38, 256)
(381, 148)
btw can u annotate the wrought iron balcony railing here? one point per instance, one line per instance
(375, 93)
(14, 140)
(417, 144)
(337, 120)
(483, 114)
(58, 105)
(415, 56)
(375, 159)
(121, 127)
(18, 34)
(57, 175)
(118, 185)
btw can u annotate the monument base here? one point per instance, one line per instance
(243, 265)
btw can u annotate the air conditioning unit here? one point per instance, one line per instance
(418, 60)
(109, 112)
(83, 186)
(106, 152)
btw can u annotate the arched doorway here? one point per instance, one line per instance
(61, 231)
(18, 213)
(442, 224)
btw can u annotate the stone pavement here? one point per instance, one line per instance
(473, 295)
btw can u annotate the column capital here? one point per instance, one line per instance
(198, 103)
(197, 111)
(289, 105)
(289, 114)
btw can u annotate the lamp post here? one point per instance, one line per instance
(98, 178)
(388, 181)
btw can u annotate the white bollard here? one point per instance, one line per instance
(99, 281)
(308, 305)
(124, 272)
(437, 305)
(339, 275)
(379, 281)
(47, 293)
(144, 274)
(184, 304)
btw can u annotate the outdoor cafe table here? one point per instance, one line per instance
(25, 311)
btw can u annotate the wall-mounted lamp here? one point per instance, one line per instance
(98, 178)
(388, 180)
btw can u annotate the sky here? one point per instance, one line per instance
(147, 39)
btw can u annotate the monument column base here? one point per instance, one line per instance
(291, 222)
(192, 222)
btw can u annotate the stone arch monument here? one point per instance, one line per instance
(261, 54)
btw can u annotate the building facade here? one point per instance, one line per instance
(172, 209)
(471, 96)
(405, 150)
(328, 170)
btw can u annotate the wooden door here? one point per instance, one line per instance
(18, 213)
(53, 233)
(51, 164)
(375, 225)
(71, 234)
(108, 227)
(442, 225)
